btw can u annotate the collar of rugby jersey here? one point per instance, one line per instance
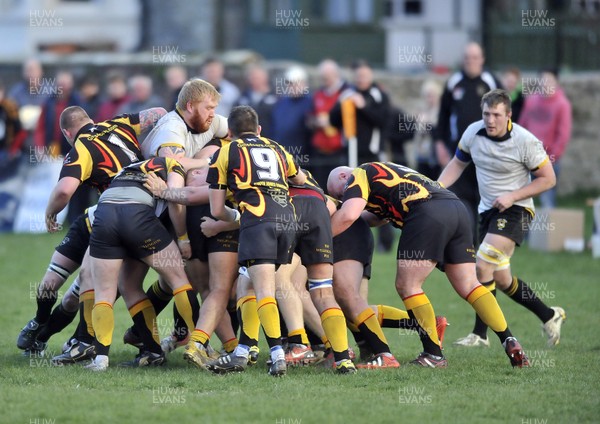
(84, 129)
(190, 129)
(505, 137)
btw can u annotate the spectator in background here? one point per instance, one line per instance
(48, 137)
(511, 80)
(142, 96)
(401, 127)
(33, 89)
(547, 114)
(426, 121)
(90, 95)
(258, 95)
(291, 114)
(372, 112)
(175, 77)
(213, 71)
(29, 94)
(116, 90)
(328, 147)
(459, 108)
(10, 127)
(372, 121)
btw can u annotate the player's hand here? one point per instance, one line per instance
(185, 248)
(52, 225)
(503, 202)
(208, 227)
(155, 184)
(359, 100)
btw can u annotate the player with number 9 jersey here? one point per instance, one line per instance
(255, 169)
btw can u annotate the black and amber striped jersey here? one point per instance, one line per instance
(101, 150)
(256, 170)
(309, 188)
(134, 175)
(391, 189)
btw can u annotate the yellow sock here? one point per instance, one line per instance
(269, 319)
(371, 331)
(88, 299)
(385, 312)
(103, 319)
(250, 323)
(230, 345)
(147, 310)
(487, 308)
(184, 307)
(422, 310)
(334, 324)
(326, 342)
(200, 336)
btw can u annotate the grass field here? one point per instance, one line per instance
(562, 386)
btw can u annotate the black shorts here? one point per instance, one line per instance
(357, 244)
(268, 241)
(438, 230)
(314, 240)
(513, 223)
(202, 245)
(77, 240)
(127, 230)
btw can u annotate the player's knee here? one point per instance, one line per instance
(492, 255)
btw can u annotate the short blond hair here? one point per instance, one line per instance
(196, 90)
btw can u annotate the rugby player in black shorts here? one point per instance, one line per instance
(256, 171)
(435, 230)
(99, 151)
(126, 231)
(352, 257)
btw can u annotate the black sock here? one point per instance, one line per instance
(313, 339)
(180, 329)
(480, 327)
(232, 311)
(145, 333)
(428, 345)
(45, 301)
(503, 335)
(82, 328)
(521, 293)
(58, 320)
(159, 298)
(375, 343)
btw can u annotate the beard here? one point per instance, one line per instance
(198, 124)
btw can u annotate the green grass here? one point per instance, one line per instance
(478, 386)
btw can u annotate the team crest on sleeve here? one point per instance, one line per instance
(501, 223)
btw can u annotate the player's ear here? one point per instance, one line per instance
(67, 135)
(229, 134)
(188, 107)
(258, 130)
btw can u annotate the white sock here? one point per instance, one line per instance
(277, 353)
(241, 351)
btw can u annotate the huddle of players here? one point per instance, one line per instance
(257, 172)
